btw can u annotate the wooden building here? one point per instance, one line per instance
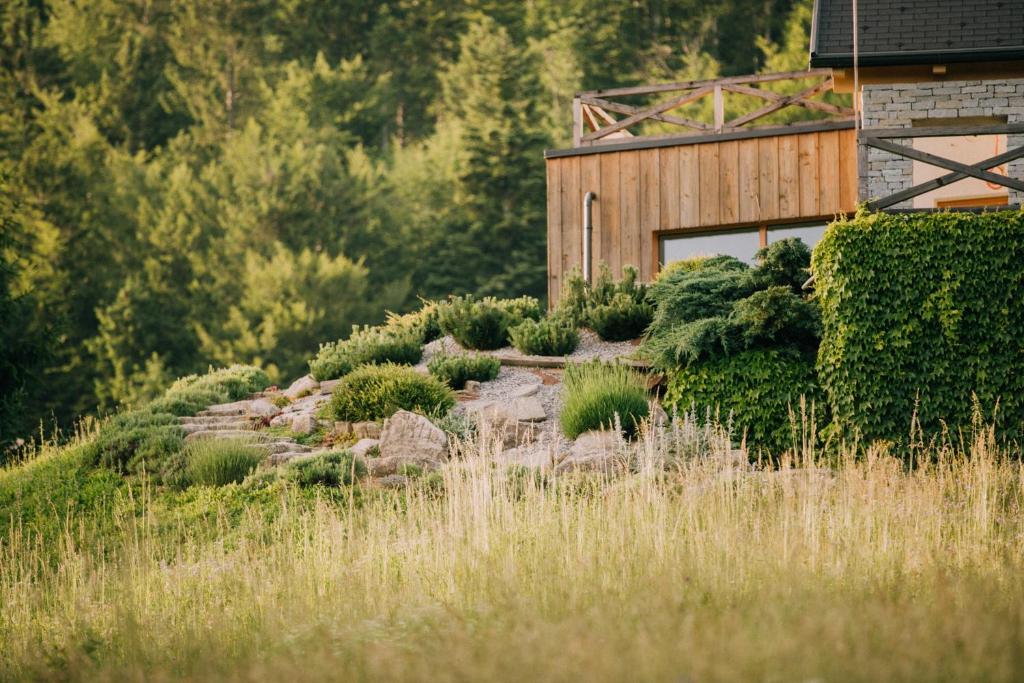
(671, 171)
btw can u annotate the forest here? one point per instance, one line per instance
(187, 183)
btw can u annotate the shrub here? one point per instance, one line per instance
(595, 395)
(550, 337)
(456, 370)
(622, 318)
(579, 301)
(137, 439)
(483, 324)
(218, 462)
(327, 469)
(920, 314)
(777, 316)
(457, 425)
(785, 263)
(374, 392)
(759, 390)
(237, 381)
(384, 344)
(424, 320)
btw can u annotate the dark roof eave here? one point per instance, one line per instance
(843, 60)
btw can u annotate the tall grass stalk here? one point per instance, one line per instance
(864, 571)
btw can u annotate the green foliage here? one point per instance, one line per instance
(921, 314)
(384, 344)
(458, 425)
(375, 392)
(425, 320)
(337, 468)
(456, 370)
(719, 306)
(548, 337)
(136, 440)
(26, 345)
(218, 462)
(483, 324)
(617, 311)
(757, 392)
(188, 395)
(621, 319)
(602, 396)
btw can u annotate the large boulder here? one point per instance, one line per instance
(303, 386)
(513, 422)
(412, 436)
(595, 451)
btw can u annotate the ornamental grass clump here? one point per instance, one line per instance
(549, 337)
(483, 324)
(456, 370)
(218, 462)
(375, 392)
(602, 396)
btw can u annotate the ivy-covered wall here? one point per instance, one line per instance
(922, 313)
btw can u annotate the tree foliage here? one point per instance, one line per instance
(203, 181)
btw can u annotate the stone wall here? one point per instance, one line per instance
(898, 105)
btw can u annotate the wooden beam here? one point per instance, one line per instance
(973, 170)
(719, 108)
(943, 131)
(780, 101)
(690, 85)
(577, 122)
(947, 179)
(620, 108)
(646, 114)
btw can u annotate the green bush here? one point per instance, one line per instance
(236, 381)
(218, 462)
(384, 344)
(549, 337)
(596, 395)
(757, 390)
(332, 469)
(620, 307)
(424, 320)
(483, 324)
(137, 439)
(621, 319)
(720, 306)
(921, 313)
(456, 370)
(375, 392)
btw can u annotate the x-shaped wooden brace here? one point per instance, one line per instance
(959, 171)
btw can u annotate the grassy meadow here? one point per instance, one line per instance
(860, 569)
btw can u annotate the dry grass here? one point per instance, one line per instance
(863, 572)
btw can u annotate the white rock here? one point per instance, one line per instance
(391, 465)
(363, 446)
(304, 423)
(471, 386)
(261, 407)
(525, 390)
(412, 436)
(327, 386)
(303, 386)
(595, 451)
(366, 430)
(533, 456)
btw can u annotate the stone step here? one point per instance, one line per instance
(289, 455)
(211, 420)
(235, 426)
(243, 434)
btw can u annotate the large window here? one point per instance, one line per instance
(742, 243)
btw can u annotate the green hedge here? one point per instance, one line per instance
(759, 388)
(922, 312)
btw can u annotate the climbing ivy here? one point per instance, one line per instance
(922, 314)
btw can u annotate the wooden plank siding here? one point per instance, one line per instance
(644, 193)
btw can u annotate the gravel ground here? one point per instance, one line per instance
(511, 378)
(590, 347)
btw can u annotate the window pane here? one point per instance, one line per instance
(810, 234)
(742, 244)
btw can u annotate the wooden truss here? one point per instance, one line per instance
(594, 120)
(879, 138)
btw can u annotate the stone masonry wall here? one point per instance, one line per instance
(897, 105)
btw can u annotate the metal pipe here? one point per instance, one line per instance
(588, 232)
